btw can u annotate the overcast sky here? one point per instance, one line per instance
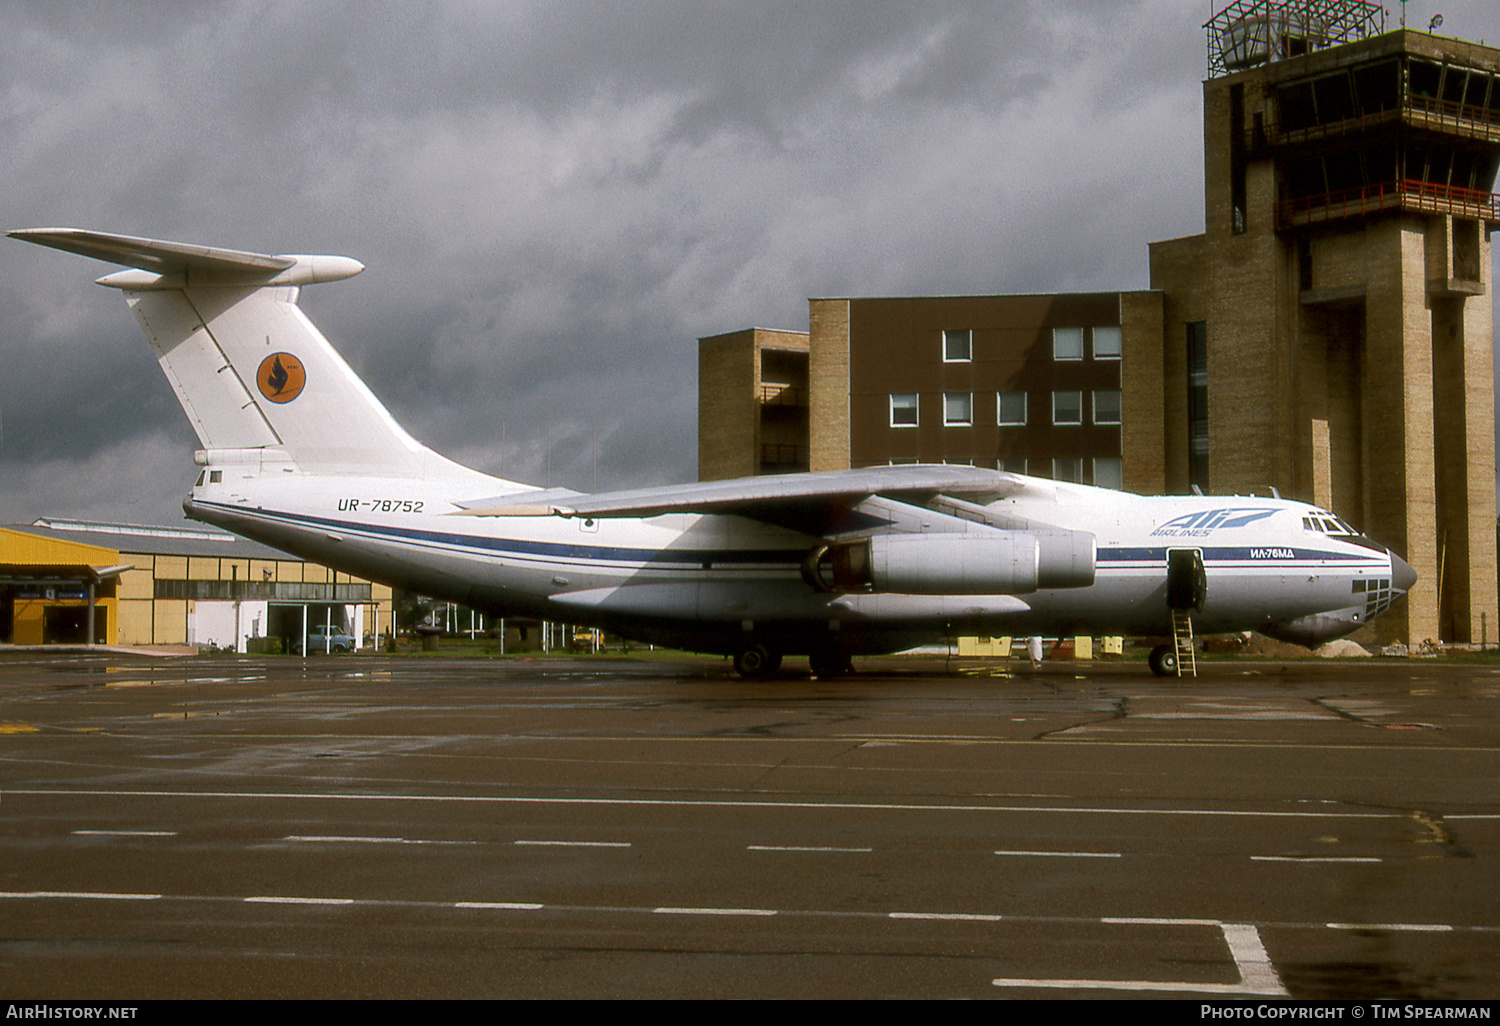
(555, 200)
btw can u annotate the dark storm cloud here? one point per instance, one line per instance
(555, 200)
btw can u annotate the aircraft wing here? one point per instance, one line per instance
(792, 500)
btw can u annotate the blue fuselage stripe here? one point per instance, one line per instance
(1124, 558)
(521, 546)
(1260, 555)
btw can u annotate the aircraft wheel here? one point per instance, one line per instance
(757, 662)
(1163, 661)
(828, 665)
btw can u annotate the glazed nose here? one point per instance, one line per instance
(1402, 575)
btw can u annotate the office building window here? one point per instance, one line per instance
(1068, 470)
(958, 346)
(1067, 407)
(1013, 464)
(1107, 344)
(1067, 343)
(958, 408)
(903, 409)
(1107, 407)
(1109, 472)
(1010, 407)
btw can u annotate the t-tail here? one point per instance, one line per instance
(255, 377)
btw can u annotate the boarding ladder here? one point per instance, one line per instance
(1182, 643)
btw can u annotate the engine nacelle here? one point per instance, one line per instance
(993, 563)
(1069, 559)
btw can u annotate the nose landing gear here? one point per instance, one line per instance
(1163, 661)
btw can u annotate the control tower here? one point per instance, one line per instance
(1331, 332)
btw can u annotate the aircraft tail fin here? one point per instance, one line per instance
(249, 368)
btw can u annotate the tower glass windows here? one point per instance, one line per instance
(1197, 413)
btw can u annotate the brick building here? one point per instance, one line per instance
(752, 404)
(1334, 321)
(1031, 384)
(1329, 334)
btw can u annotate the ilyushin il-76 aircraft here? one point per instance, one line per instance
(300, 455)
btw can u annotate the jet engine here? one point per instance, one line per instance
(993, 563)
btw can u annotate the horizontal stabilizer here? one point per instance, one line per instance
(180, 264)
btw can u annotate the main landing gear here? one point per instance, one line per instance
(830, 663)
(756, 662)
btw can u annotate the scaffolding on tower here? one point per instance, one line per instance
(1248, 33)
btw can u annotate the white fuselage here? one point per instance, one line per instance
(300, 454)
(708, 581)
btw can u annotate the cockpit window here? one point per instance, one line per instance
(1326, 524)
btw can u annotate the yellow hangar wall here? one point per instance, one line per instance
(151, 597)
(32, 569)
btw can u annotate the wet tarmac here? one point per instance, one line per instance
(406, 827)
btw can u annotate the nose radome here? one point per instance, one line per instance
(1402, 575)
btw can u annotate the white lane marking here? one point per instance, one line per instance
(668, 910)
(92, 895)
(974, 917)
(795, 847)
(1149, 985)
(1067, 854)
(578, 844)
(1313, 858)
(953, 916)
(364, 839)
(125, 833)
(337, 838)
(1419, 927)
(1069, 810)
(514, 906)
(1257, 974)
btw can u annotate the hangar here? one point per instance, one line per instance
(75, 582)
